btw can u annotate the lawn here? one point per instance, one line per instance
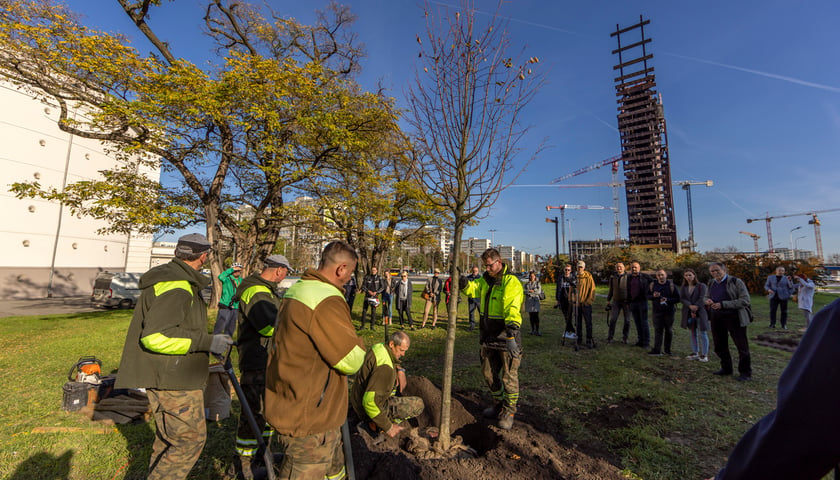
(654, 417)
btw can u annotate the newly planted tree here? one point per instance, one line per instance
(465, 106)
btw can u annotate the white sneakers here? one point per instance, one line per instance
(569, 335)
(694, 356)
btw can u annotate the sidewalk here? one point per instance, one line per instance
(46, 306)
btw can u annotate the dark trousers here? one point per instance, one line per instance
(639, 311)
(584, 312)
(403, 308)
(365, 306)
(226, 320)
(534, 318)
(566, 308)
(474, 307)
(725, 324)
(663, 326)
(619, 308)
(774, 303)
(253, 386)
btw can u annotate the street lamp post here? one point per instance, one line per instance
(571, 239)
(796, 242)
(556, 238)
(791, 240)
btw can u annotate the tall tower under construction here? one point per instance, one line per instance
(644, 142)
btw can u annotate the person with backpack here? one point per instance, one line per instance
(663, 296)
(728, 301)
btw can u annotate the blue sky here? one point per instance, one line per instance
(751, 91)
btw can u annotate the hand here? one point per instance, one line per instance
(394, 430)
(716, 306)
(402, 381)
(220, 343)
(693, 308)
(512, 346)
(655, 294)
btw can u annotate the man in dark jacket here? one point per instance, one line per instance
(728, 300)
(616, 304)
(566, 284)
(401, 293)
(166, 353)
(637, 286)
(663, 295)
(373, 394)
(258, 303)
(372, 286)
(799, 438)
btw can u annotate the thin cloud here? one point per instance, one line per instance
(784, 78)
(518, 20)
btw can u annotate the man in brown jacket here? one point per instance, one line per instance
(315, 347)
(584, 297)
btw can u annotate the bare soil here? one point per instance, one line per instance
(533, 449)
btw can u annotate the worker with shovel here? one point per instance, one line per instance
(258, 303)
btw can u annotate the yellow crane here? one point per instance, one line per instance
(755, 240)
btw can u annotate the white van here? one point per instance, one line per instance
(116, 289)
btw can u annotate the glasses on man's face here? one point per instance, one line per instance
(488, 265)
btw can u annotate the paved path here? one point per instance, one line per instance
(46, 306)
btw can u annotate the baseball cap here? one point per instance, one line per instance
(275, 261)
(192, 244)
(581, 264)
(236, 266)
(437, 270)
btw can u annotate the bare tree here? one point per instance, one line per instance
(465, 105)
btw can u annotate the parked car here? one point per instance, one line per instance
(119, 289)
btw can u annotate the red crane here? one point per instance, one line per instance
(614, 161)
(814, 221)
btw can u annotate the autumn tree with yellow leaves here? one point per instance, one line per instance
(464, 107)
(278, 105)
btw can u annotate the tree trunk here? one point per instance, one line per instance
(449, 349)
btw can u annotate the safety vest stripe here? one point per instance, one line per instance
(337, 476)
(249, 292)
(351, 362)
(160, 343)
(312, 292)
(369, 402)
(267, 331)
(163, 287)
(380, 352)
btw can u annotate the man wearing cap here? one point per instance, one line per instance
(226, 318)
(313, 350)
(166, 353)
(258, 303)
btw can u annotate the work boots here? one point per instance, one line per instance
(246, 471)
(506, 421)
(493, 412)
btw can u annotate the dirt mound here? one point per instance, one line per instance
(781, 340)
(524, 452)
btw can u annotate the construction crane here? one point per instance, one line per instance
(614, 161)
(685, 184)
(563, 208)
(814, 221)
(755, 240)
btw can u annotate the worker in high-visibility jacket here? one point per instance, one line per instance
(501, 297)
(258, 303)
(374, 391)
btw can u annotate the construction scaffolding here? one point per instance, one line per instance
(644, 143)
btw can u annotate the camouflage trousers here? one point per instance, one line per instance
(313, 457)
(403, 408)
(180, 432)
(501, 373)
(253, 387)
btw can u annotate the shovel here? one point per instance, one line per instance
(252, 422)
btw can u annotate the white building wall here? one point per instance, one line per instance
(40, 239)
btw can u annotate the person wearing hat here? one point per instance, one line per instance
(583, 298)
(166, 351)
(226, 318)
(258, 303)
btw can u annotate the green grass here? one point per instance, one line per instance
(678, 421)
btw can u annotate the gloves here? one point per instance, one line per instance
(220, 343)
(608, 307)
(510, 343)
